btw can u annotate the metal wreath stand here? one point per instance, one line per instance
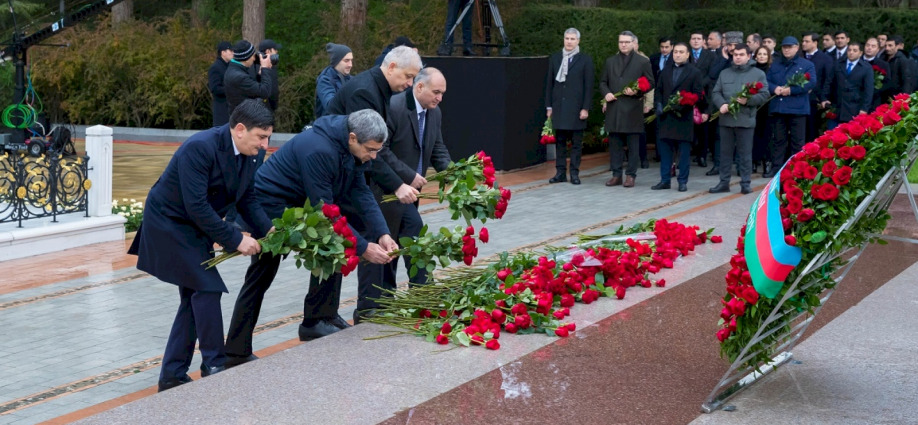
(740, 376)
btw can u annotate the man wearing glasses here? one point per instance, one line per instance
(322, 164)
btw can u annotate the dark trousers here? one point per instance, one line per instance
(788, 131)
(383, 276)
(708, 135)
(454, 7)
(814, 122)
(199, 318)
(617, 153)
(667, 147)
(736, 140)
(323, 298)
(576, 139)
(258, 279)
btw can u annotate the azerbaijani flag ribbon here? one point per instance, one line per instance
(768, 257)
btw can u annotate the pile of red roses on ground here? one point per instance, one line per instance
(821, 186)
(522, 293)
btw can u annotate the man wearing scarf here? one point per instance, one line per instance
(568, 95)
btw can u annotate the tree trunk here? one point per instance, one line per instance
(586, 3)
(200, 9)
(354, 14)
(253, 21)
(122, 12)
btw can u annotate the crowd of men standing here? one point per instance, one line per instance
(757, 134)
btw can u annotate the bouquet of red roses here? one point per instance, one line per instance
(548, 133)
(830, 114)
(319, 237)
(879, 74)
(641, 85)
(749, 90)
(675, 104)
(799, 79)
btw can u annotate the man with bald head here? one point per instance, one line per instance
(416, 144)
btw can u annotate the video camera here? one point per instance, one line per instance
(274, 57)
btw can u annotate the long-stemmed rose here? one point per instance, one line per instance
(748, 90)
(879, 74)
(676, 103)
(319, 237)
(548, 133)
(641, 86)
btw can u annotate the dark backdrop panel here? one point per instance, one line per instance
(494, 104)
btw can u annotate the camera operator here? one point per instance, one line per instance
(270, 49)
(242, 81)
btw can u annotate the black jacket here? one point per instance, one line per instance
(670, 126)
(243, 83)
(317, 165)
(575, 93)
(369, 90)
(655, 63)
(851, 93)
(217, 93)
(902, 73)
(879, 95)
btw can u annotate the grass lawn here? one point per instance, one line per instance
(913, 175)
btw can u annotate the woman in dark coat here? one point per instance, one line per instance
(676, 127)
(762, 136)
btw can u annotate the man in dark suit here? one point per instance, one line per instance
(705, 132)
(824, 65)
(850, 87)
(370, 89)
(624, 114)
(676, 130)
(210, 172)
(568, 97)
(828, 45)
(872, 55)
(322, 164)
(215, 83)
(902, 77)
(415, 144)
(660, 59)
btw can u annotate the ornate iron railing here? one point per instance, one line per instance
(45, 186)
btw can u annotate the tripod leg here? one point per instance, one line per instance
(505, 50)
(447, 39)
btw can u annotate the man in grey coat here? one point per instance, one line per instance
(624, 114)
(568, 95)
(736, 131)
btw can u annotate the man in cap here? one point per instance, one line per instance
(330, 80)
(215, 83)
(242, 83)
(791, 104)
(268, 48)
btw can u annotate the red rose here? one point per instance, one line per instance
(902, 96)
(858, 152)
(331, 210)
(794, 206)
(838, 138)
(503, 274)
(810, 172)
(844, 152)
(891, 117)
(723, 334)
(510, 327)
(805, 214)
(831, 115)
(856, 131)
(558, 314)
(446, 328)
(467, 259)
(750, 295)
(498, 316)
(828, 192)
(661, 283)
(442, 339)
(759, 85)
(620, 292)
(790, 240)
(829, 168)
(827, 154)
(643, 84)
(717, 239)
(811, 150)
(483, 235)
(806, 75)
(492, 345)
(842, 176)
(571, 327)
(562, 332)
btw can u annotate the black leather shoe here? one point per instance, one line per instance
(766, 168)
(721, 187)
(558, 178)
(645, 164)
(682, 187)
(339, 322)
(712, 172)
(745, 189)
(445, 50)
(575, 180)
(172, 383)
(233, 361)
(210, 370)
(702, 162)
(361, 315)
(468, 52)
(660, 186)
(771, 173)
(320, 329)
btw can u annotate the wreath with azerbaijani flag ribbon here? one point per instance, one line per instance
(796, 216)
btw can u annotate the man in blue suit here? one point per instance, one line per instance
(210, 173)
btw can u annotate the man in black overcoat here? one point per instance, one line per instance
(322, 164)
(675, 126)
(702, 59)
(872, 55)
(215, 83)
(851, 86)
(415, 144)
(211, 172)
(825, 66)
(568, 97)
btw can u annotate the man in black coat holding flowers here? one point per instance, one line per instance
(676, 125)
(322, 164)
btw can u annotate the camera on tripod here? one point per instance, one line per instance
(274, 57)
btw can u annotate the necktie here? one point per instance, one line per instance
(850, 65)
(809, 55)
(662, 62)
(422, 118)
(696, 53)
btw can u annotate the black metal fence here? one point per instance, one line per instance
(45, 186)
